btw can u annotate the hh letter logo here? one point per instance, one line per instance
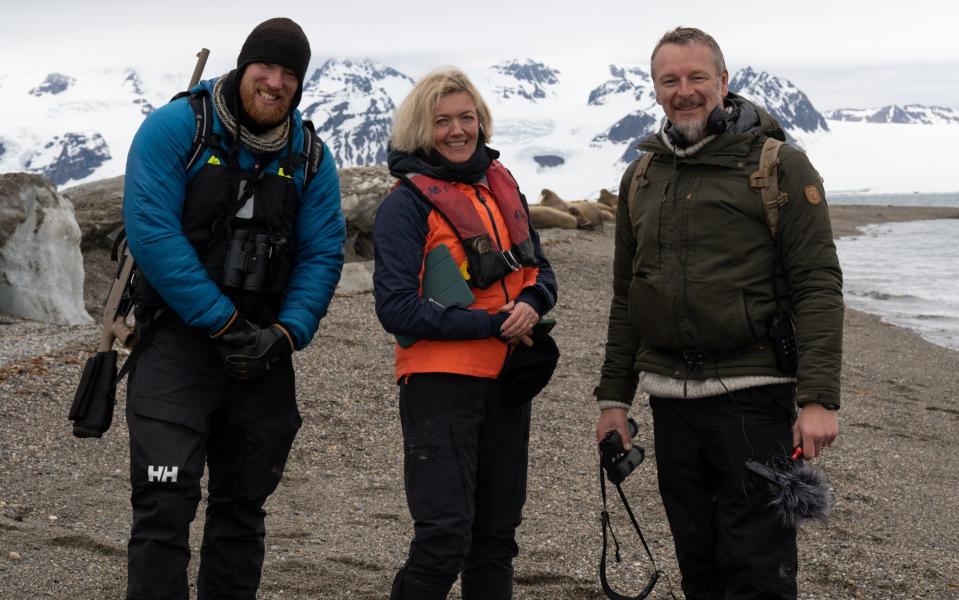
(162, 474)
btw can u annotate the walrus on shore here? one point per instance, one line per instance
(608, 198)
(609, 214)
(588, 214)
(551, 199)
(545, 217)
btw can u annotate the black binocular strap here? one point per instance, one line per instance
(607, 524)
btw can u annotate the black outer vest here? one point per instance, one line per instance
(214, 196)
(218, 192)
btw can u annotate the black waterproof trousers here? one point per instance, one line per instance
(465, 474)
(184, 411)
(730, 545)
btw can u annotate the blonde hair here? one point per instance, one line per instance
(413, 120)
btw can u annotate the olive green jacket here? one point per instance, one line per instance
(696, 272)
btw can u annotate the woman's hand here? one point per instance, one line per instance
(519, 325)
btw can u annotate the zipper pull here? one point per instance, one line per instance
(479, 194)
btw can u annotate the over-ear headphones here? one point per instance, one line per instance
(718, 121)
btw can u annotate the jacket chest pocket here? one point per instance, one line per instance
(665, 224)
(646, 213)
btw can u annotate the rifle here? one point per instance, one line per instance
(93, 403)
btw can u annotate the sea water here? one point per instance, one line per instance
(907, 273)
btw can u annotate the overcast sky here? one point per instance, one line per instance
(841, 53)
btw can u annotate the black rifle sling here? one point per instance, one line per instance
(607, 524)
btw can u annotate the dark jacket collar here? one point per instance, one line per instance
(436, 166)
(750, 122)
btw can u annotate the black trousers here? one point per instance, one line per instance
(465, 458)
(184, 411)
(729, 543)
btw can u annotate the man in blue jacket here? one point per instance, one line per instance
(232, 213)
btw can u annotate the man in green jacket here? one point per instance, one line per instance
(703, 293)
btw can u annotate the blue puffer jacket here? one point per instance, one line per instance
(153, 197)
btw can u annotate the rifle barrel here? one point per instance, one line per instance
(201, 57)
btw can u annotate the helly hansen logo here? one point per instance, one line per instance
(162, 474)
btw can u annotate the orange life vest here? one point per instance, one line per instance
(486, 217)
(488, 257)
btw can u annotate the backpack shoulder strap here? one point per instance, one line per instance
(639, 175)
(202, 124)
(766, 180)
(313, 149)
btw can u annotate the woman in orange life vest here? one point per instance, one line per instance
(465, 441)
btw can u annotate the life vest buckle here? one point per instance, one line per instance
(511, 261)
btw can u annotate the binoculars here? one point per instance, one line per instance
(246, 262)
(617, 462)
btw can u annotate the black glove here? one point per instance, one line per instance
(249, 351)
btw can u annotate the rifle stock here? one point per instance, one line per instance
(114, 326)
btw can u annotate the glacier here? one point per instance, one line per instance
(571, 127)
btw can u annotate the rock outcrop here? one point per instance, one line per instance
(98, 207)
(41, 268)
(362, 189)
(98, 211)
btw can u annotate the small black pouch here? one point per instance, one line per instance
(92, 409)
(529, 368)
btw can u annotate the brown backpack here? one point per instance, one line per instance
(765, 179)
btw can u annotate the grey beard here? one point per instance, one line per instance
(692, 132)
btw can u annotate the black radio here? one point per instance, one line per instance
(783, 335)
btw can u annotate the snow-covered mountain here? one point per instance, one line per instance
(632, 89)
(351, 102)
(910, 113)
(629, 97)
(53, 84)
(68, 157)
(781, 99)
(571, 128)
(632, 82)
(72, 127)
(527, 79)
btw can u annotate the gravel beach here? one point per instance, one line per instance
(338, 525)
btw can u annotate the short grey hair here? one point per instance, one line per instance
(686, 36)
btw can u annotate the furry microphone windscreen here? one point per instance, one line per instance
(803, 495)
(799, 491)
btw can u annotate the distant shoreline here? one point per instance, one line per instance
(917, 199)
(848, 219)
(867, 193)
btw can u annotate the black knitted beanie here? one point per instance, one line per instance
(278, 41)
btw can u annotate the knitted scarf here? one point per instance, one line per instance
(268, 142)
